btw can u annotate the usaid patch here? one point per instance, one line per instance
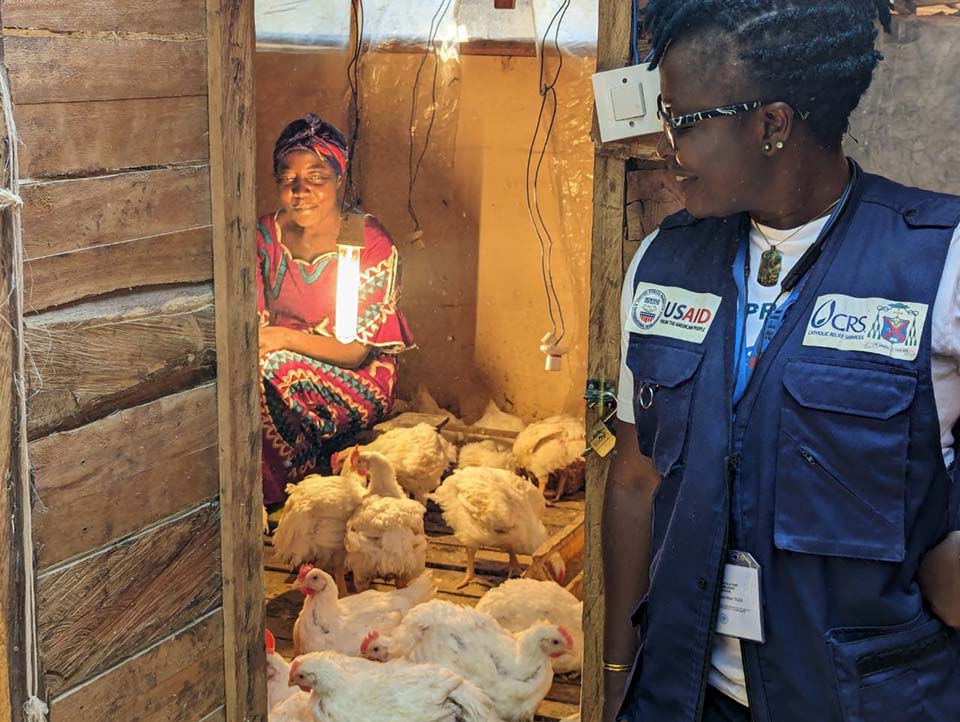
(672, 312)
(875, 325)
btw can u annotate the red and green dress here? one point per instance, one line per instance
(304, 403)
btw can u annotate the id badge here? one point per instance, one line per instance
(740, 609)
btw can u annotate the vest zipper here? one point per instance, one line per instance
(731, 464)
(816, 464)
(731, 467)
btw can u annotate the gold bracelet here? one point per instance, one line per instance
(608, 667)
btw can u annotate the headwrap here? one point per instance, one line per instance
(314, 134)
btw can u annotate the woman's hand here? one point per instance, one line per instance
(939, 579)
(275, 338)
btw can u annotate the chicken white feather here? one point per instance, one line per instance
(424, 403)
(278, 673)
(357, 690)
(419, 456)
(492, 508)
(553, 446)
(489, 453)
(385, 536)
(295, 708)
(314, 522)
(494, 418)
(327, 622)
(519, 604)
(514, 671)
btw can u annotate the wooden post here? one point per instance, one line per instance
(230, 65)
(606, 277)
(13, 671)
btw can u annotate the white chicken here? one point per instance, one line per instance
(385, 536)
(357, 690)
(514, 671)
(489, 453)
(492, 508)
(494, 418)
(553, 446)
(419, 456)
(315, 521)
(328, 622)
(295, 708)
(278, 673)
(424, 403)
(519, 604)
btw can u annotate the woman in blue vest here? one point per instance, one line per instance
(780, 518)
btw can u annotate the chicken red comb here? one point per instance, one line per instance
(368, 640)
(566, 635)
(293, 669)
(270, 641)
(334, 460)
(305, 569)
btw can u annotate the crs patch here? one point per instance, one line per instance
(672, 312)
(875, 325)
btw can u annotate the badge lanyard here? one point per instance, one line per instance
(774, 321)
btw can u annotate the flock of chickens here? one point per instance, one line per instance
(403, 655)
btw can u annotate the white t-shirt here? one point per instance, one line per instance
(726, 672)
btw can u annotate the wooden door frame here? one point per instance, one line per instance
(230, 68)
(603, 363)
(13, 669)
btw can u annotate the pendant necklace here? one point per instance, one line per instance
(771, 260)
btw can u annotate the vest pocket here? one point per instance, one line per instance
(905, 673)
(663, 380)
(842, 461)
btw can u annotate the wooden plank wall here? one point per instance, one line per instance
(111, 101)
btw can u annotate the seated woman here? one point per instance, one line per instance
(313, 387)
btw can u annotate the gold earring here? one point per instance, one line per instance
(767, 147)
(779, 145)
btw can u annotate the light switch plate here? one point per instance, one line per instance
(626, 102)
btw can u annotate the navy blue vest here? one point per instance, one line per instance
(831, 476)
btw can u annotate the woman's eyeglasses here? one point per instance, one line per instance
(672, 124)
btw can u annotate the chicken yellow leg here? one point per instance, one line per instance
(515, 569)
(340, 576)
(471, 575)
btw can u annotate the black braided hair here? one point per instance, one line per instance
(818, 57)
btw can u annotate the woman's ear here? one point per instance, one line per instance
(777, 127)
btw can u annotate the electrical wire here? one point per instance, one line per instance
(413, 167)
(548, 93)
(634, 31)
(353, 80)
